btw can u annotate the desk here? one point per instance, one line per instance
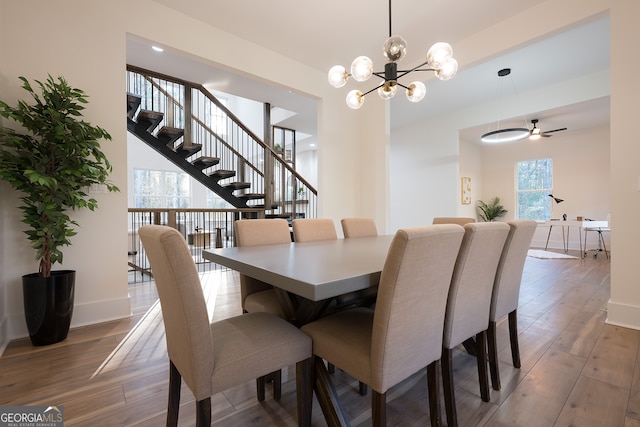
(316, 271)
(568, 224)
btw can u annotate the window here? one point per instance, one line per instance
(161, 189)
(533, 186)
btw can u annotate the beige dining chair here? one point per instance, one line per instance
(452, 220)
(358, 227)
(468, 304)
(212, 357)
(255, 295)
(403, 334)
(506, 292)
(313, 229)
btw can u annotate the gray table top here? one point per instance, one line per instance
(313, 270)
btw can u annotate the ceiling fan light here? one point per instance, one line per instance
(416, 91)
(362, 68)
(355, 99)
(395, 48)
(535, 134)
(448, 69)
(439, 53)
(338, 76)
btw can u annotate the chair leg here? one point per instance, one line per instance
(203, 412)
(481, 358)
(260, 386)
(378, 409)
(362, 388)
(261, 383)
(175, 380)
(433, 388)
(447, 385)
(493, 356)
(304, 391)
(513, 337)
(276, 377)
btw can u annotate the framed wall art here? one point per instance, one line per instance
(466, 190)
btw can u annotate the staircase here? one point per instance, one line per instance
(187, 125)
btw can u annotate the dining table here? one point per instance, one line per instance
(307, 276)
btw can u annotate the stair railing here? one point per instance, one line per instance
(222, 135)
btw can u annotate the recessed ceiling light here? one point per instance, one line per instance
(157, 48)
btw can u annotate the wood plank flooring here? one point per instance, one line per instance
(576, 370)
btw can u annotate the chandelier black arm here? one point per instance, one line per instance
(416, 68)
(375, 88)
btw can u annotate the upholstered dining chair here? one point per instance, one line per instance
(313, 229)
(214, 357)
(255, 295)
(468, 303)
(506, 291)
(452, 220)
(358, 227)
(403, 334)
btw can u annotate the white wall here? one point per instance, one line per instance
(87, 45)
(581, 176)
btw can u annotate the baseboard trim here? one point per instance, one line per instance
(624, 315)
(83, 315)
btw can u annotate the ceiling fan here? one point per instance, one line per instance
(536, 132)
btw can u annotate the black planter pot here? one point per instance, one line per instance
(48, 305)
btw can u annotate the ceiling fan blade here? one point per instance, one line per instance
(555, 130)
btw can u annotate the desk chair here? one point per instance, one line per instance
(602, 247)
(212, 357)
(468, 304)
(255, 295)
(383, 346)
(506, 292)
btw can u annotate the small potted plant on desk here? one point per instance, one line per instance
(51, 165)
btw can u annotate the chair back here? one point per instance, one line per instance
(257, 232)
(358, 227)
(472, 282)
(313, 229)
(184, 311)
(506, 287)
(412, 295)
(453, 220)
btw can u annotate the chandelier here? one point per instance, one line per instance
(439, 60)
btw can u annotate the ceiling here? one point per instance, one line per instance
(340, 31)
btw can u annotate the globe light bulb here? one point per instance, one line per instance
(447, 70)
(395, 48)
(388, 90)
(338, 76)
(355, 99)
(438, 53)
(362, 68)
(416, 92)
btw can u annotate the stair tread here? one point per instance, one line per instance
(222, 174)
(205, 161)
(149, 119)
(133, 102)
(237, 185)
(251, 196)
(168, 135)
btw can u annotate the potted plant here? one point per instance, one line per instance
(492, 210)
(51, 165)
